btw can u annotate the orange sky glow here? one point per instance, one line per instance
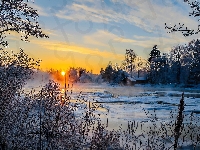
(83, 34)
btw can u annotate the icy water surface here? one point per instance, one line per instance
(142, 104)
(120, 106)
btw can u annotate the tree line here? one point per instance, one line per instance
(180, 66)
(44, 120)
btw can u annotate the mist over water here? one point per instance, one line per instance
(37, 81)
(123, 104)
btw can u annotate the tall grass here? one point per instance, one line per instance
(47, 120)
(179, 122)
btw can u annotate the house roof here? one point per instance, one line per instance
(131, 79)
(141, 78)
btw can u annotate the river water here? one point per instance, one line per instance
(145, 105)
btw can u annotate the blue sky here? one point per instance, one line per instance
(90, 33)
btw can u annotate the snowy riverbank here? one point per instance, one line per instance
(139, 103)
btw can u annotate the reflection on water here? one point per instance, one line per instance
(120, 108)
(142, 105)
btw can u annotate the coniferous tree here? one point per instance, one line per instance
(154, 64)
(155, 53)
(180, 66)
(113, 75)
(108, 73)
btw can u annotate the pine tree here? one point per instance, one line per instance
(154, 64)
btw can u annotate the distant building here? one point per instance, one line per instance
(130, 81)
(141, 80)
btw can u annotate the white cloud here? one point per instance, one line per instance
(62, 46)
(105, 39)
(78, 12)
(144, 14)
(147, 15)
(101, 38)
(39, 9)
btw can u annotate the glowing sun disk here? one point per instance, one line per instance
(63, 73)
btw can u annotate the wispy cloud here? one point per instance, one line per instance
(81, 12)
(104, 38)
(147, 15)
(39, 9)
(101, 38)
(61, 46)
(12, 35)
(50, 32)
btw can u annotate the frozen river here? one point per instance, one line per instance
(140, 102)
(144, 104)
(127, 103)
(121, 105)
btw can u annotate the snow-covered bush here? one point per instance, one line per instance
(90, 78)
(15, 69)
(47, 120)
(114, 76)
(85, 78)
(97, 78)
(73, 75)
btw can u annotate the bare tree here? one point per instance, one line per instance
(15, 69)
(17, 16)
(195, 6)
(130, 59)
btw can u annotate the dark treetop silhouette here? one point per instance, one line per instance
(17, 16)
(195, 6)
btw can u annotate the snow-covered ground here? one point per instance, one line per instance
(140, 99)
(127, 103)
(140, 103)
